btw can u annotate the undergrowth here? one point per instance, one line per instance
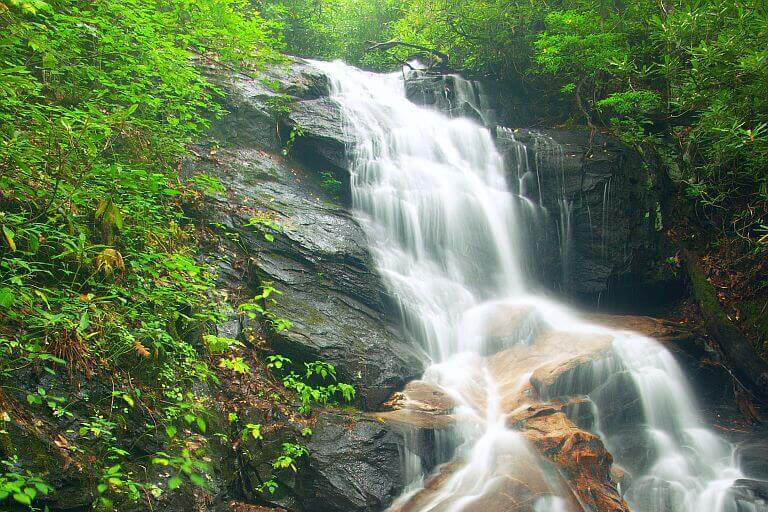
(98, 276)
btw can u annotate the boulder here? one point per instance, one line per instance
(418, 407)
(580, 456)
(489, 102)
(255, 103)
(279, 227)
(321, 138)
(355, 463)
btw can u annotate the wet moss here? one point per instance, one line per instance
(756, 322)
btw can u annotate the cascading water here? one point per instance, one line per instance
(432, 195)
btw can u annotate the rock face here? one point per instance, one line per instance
(276, 225)
(355, 464)
(591, 203)
(295, 238)
(323, 140)
(596, 208)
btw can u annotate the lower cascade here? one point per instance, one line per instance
(440, 216)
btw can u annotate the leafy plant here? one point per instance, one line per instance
(268, 226)
(21, 487)
(256, 307)
(317, 384)
(331, 185)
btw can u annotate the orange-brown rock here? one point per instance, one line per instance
(580, 456)
(664, 331)
(553, 355)
(419, 405)
(517, 484)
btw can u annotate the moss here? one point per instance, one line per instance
(705, 293)
(756, 322)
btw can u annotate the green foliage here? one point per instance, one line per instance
(296, 133)
(97, 267)
(291, 453)
(258, 308)
(267, 226)
(188, 467)
(20, 486)
(317, 384)
(331, 185)
(335, 28)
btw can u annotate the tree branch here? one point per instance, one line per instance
(388, 45)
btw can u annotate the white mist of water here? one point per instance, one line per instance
(432, 196)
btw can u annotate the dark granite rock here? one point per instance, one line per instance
(318, 259)
(594, 214)
(323, 139)
(355, 464)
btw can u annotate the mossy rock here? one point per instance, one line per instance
(756, 323)
(73, 481)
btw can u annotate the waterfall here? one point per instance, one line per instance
(431, 193)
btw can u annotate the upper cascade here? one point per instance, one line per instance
(442, 222)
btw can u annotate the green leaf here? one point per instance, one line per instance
(197, 480)
(174, 482)
(201, 424)
(6, 298)
(170, 430)
(117, 218)
(22, 498)
(9, 235)
(84, 322)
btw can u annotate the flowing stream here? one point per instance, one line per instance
(432, 195)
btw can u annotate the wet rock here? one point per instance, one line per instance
(354, 465)
(518, 483)
(671, 334)
(318, 257)
(598, 219)
(555, 364)
(752, 457)
(486, 101)
(236, 506)
(450, 94)
(580, 456)
(419, 406)
(51, 458)
(322, 139)
(254, 103)
(577, 376)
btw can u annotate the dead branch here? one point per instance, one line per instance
(388, 45)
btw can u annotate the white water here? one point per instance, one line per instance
(432, 196)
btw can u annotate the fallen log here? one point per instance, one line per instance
(744, 360)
